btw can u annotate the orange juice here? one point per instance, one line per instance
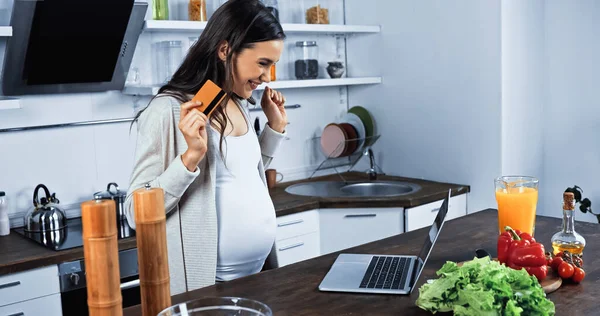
(516, 208)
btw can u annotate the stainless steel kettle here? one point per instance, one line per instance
(45, 216)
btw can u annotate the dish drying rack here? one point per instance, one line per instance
(348, 160)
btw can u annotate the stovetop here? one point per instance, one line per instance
(70, 237)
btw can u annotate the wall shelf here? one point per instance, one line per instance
(282, 84)
(194, 26)
(6, 31)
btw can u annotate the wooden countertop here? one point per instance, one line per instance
(293, 289)
(20, 254)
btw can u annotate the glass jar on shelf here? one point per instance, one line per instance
(306, 65)
(317, 12)
(197, 10)
(160, 9)
(168, 55)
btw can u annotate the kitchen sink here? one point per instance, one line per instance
(353, 189)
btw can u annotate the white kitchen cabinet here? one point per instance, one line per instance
(297, 248)
(298, 224)
(47, 305)
(423, 215)
(343, 228)
(28, 285)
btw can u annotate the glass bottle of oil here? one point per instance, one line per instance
(568, 239)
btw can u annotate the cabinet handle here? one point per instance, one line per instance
(435, 210)
(292, 246)
(11, 284)
(360, 215)
(298, 221)
(130, 284)
(18, 314)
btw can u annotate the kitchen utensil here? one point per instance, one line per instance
(358, 125)
(151, 238)
(272, 177)
(219, 306)
(101, 257)
(333, 140)
(117, 195)
(367, 120)
(45, 216)
(550, 284)
(351, 139)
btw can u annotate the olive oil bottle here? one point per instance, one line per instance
(568, 239)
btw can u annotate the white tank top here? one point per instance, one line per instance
(245, 211)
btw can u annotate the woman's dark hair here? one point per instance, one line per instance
(240, 23)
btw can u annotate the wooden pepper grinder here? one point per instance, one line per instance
(101, 256)
(151, 236)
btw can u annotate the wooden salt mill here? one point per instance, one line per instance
(151, 237)
(101, 256)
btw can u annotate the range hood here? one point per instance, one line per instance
(70, 46)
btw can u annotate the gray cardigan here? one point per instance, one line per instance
(189, 196)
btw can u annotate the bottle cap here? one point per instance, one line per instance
(568, 201)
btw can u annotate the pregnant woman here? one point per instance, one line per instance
(220, 217)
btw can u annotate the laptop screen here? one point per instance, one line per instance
(430, 239)
(433, 231)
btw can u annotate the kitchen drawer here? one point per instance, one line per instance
(343, 228)
(297, 249)
(297, 224)
(47, 306)
(422, 216)
(27, 285)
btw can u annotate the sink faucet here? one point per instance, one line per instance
(372, 172)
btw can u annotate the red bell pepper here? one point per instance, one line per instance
(522, 252)
(507, 238)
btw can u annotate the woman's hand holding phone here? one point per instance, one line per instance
(192, 123)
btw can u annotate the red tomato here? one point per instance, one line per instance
(556, 263)
(565, 270)
(578, 275)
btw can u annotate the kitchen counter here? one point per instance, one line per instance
(286, 203)
(19, 254)
(293, 289)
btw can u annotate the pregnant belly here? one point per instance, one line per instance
(246, 224)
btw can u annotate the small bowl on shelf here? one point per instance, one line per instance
(221, 306)
(335, 69)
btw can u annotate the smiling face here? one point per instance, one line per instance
(253, 66)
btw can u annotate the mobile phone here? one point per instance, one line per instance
(210, 95)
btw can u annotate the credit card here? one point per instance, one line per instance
(210, 95)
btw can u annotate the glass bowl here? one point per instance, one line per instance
(218, 306)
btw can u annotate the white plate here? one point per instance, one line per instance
(355, 121)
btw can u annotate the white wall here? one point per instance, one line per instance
(522, 87)
(439, 107)
(572, 107)
(78, 161)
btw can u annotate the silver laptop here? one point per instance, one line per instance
(382, 274)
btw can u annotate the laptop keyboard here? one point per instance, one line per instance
(386, 273)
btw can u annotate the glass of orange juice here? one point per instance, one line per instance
(517, 198)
